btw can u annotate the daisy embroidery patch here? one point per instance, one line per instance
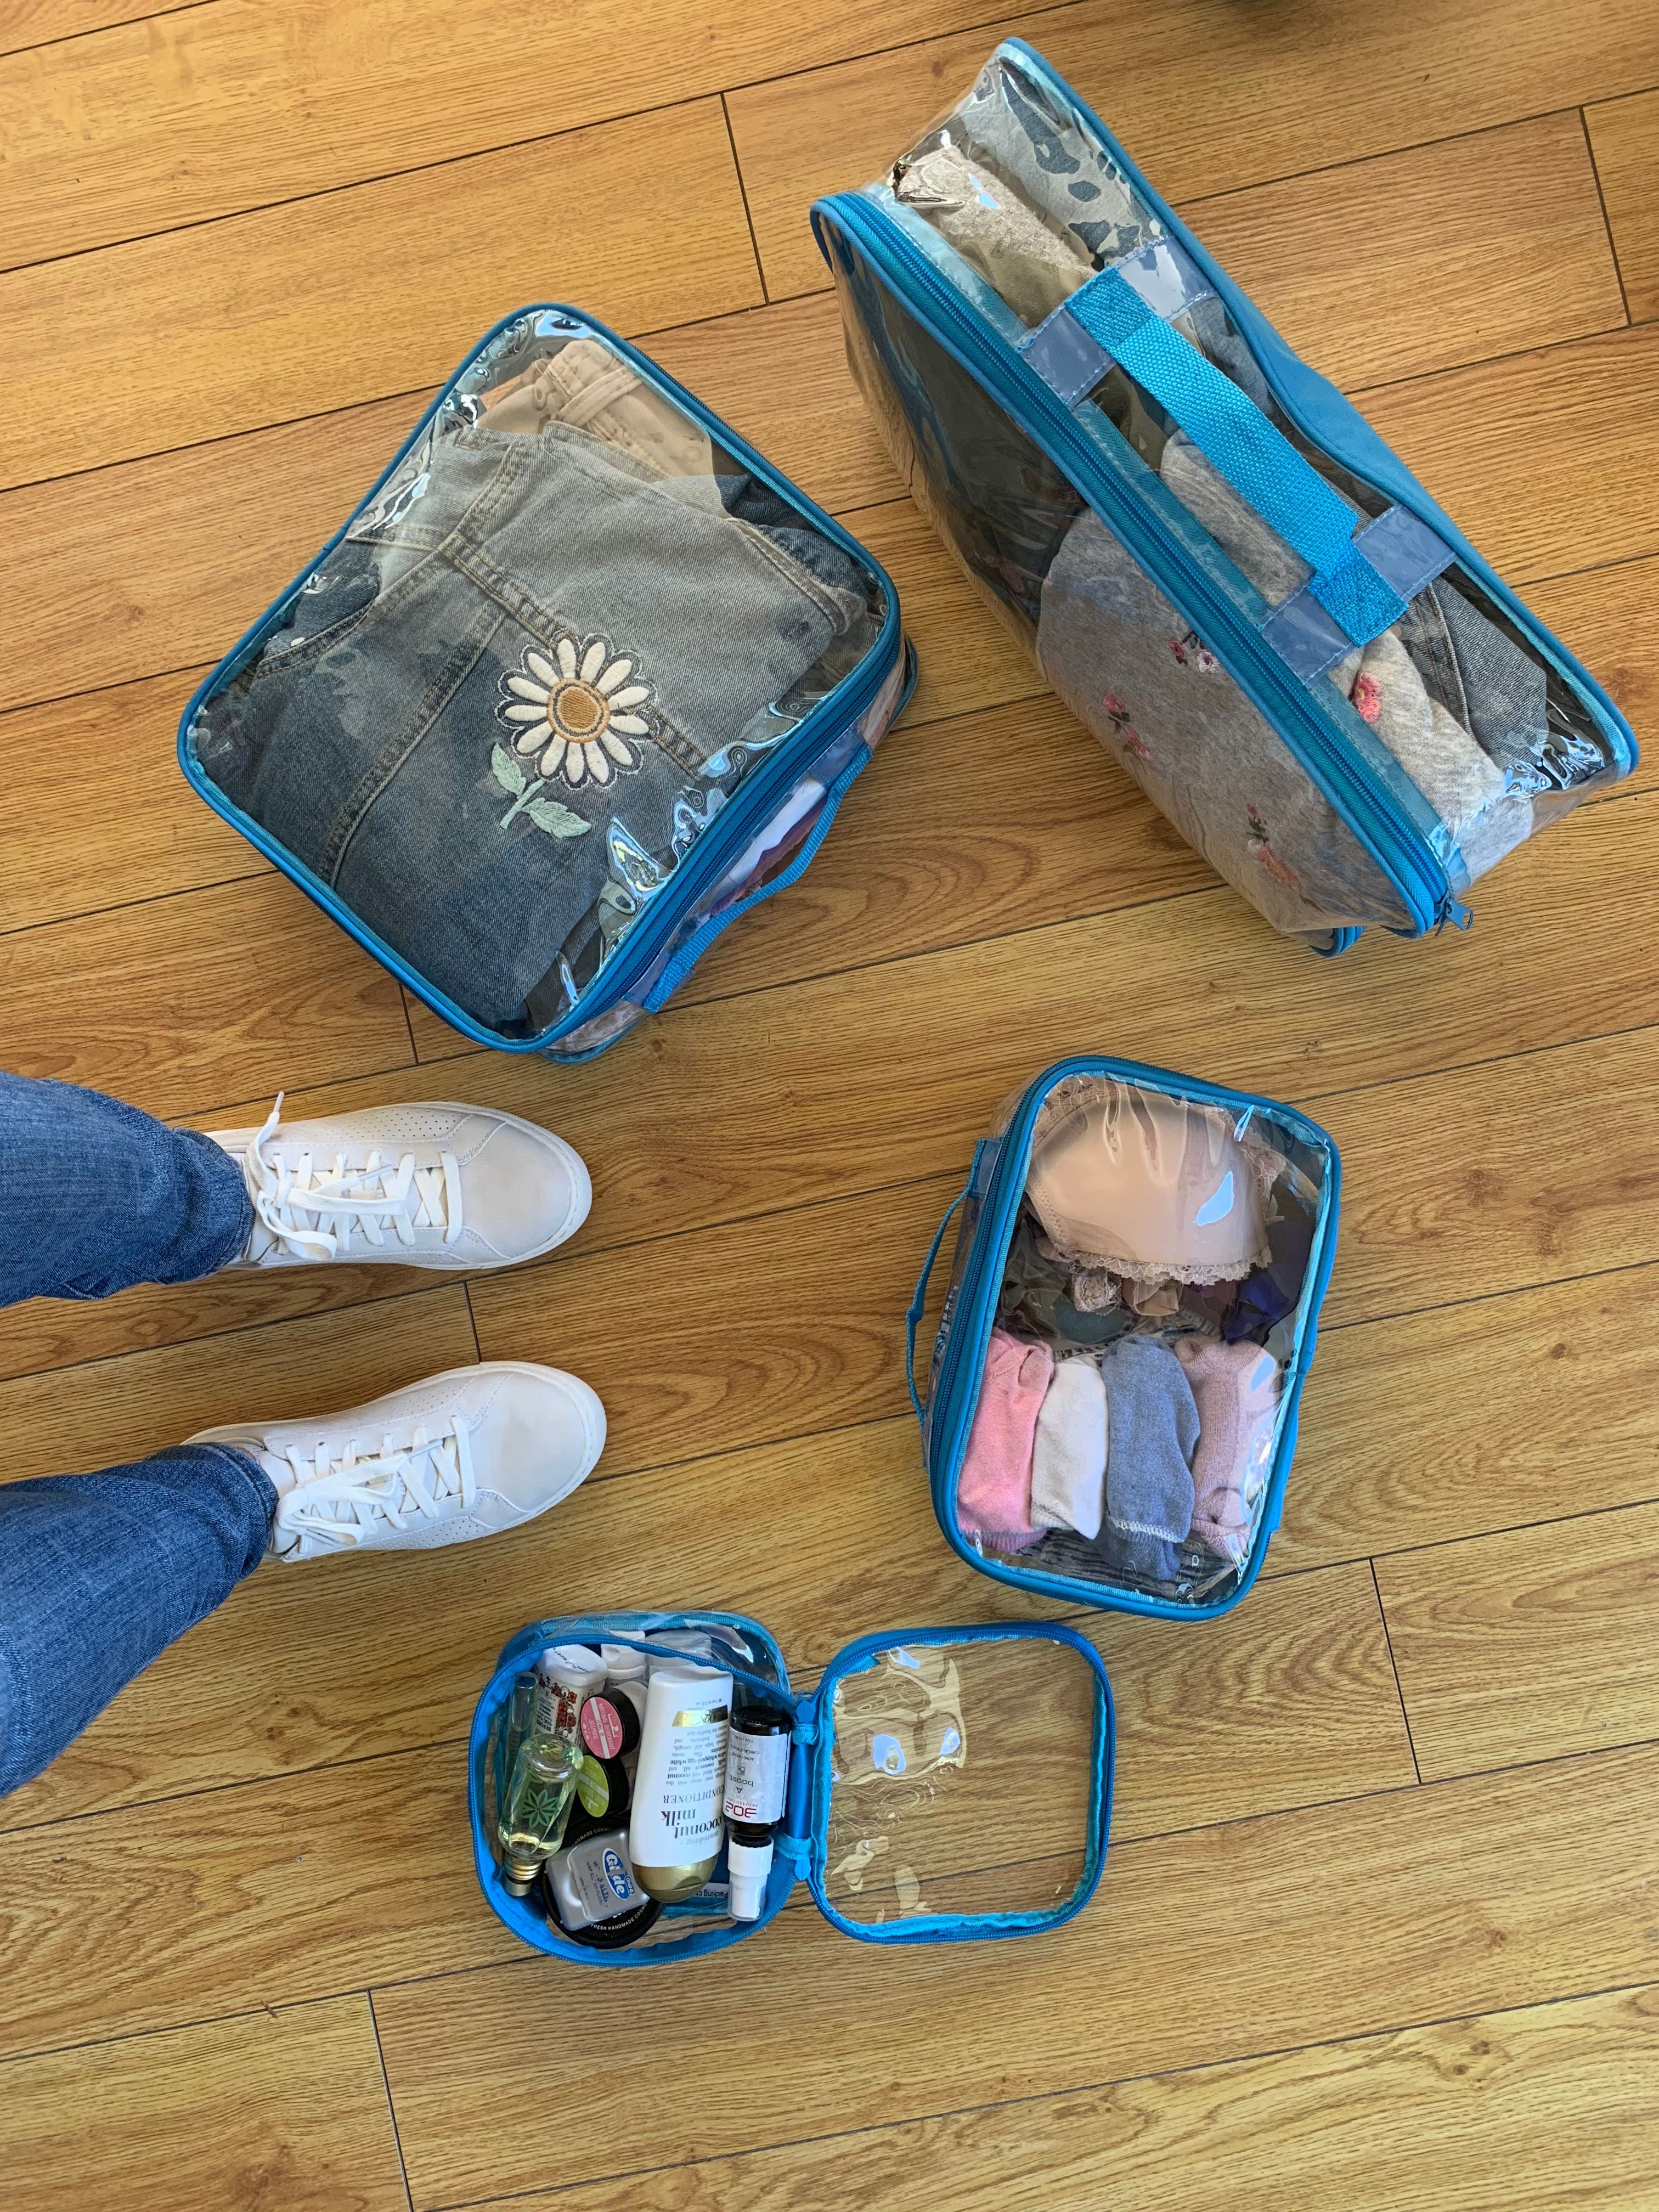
(576, 714)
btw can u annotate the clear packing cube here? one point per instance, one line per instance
(1225, 574)
(943, 1785)
(580, 681)
(1111, 1408)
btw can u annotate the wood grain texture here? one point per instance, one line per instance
(246, 982)
(309, 1886)
(36, 22)
(1551, 2097)
(265, 317)
(1462, 1897)
(1625, 136)
(1404, 1441)
(78, 838)
(1545, 460)
(161, 563)
(280, 2108)
(103, 1413)
(1610, 619)
(233, 104)
(1422, 260)
(1190, 982)
(1531, 1644)
(1206, 99)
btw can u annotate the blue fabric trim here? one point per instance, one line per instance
(700, 940)
(913, 1312)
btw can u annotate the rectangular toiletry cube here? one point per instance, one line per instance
(943, 1783)
(1217, 563)
(580, 681)
(1111, 1405)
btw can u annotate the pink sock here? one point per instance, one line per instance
(1236, 1386)
(994, 1496)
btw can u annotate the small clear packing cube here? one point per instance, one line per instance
(943, 1783)
(1110, 1411)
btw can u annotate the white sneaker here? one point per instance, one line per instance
(464, 1454)
(424, 1186)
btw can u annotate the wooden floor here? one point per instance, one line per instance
(1380, 1927)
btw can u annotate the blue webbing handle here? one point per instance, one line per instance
(1257, 459)
(913, 1312)
(701, 937)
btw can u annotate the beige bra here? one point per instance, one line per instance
(1151, 1187)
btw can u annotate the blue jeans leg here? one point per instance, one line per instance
(98, 1573)
(95, 1196)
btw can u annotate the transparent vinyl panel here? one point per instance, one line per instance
(962, 1781)
(1466, 725)
(500, 713)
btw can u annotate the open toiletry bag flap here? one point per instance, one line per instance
(1111, 1404)
(581, 680)
(1222, 570)
(943, 1783)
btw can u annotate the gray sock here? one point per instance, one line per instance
(1151, 1432)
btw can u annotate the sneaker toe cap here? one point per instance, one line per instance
(525, 1191)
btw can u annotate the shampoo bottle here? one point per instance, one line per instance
(756, 1784)
(676, 1830)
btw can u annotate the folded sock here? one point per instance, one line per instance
(1068, 1458)
(993, 1495)
(1236, 1388)
(1151, 1422)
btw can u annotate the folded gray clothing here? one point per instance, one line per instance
(1042, 152)
(1483, 679)
(1152, 1432)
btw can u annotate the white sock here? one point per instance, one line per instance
(1068, 1462)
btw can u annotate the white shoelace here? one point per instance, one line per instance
(341, 1499)
(314, 1209)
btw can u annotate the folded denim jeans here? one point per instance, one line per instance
(520, 675)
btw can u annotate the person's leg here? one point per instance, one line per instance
(98, 1573)
(95, 1196)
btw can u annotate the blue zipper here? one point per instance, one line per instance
(951, 1405)
(816, 732)
(1359, 795)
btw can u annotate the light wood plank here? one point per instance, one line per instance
(1625, 135)
(162, 564)
(265, 317)
(313, 1856)
(245, 986)
(1545, 2106)
(94, 813)
(1610, 619)
(1545, 460)
(1204, 100)
(1528, 1644)
(281, 2108)
(104, 1413)
(235, 105)
(1419, 261)
(1188, 983)
(1464, 1897)
(34, 23)
(1404, 1441)
(307, 1886)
